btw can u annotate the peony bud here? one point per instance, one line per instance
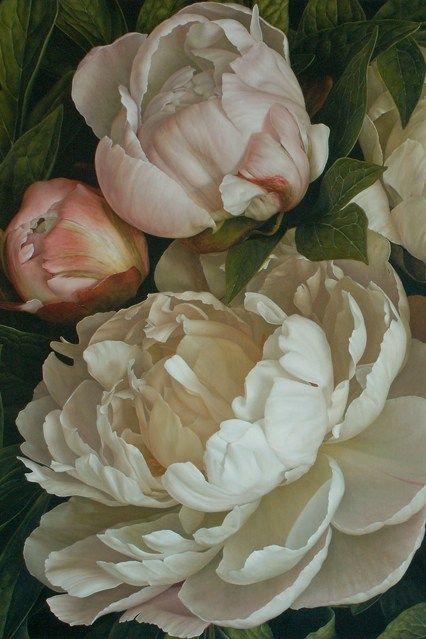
(67, 253)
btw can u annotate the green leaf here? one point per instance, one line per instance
(410, 590)
(18, 591)
(320, 15)
(326, 632)
(275, 12)
(1, 421)
(301, 61)
(333, 48)
(51, 100)
(22, 357)
(25, 28)
(30, 159)
(405, 10)
(411, 624)
(345, 107)
(402, 68)
(358, 609)
(345, 179)
(91, 22)
(339, 235)
(154, 12)
(244, 260)
(261, 632)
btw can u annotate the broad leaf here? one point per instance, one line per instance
(333, 48)
(154, 12)
(21, 361)
(345, 179)
(325, 14)
(339, 235)
(346, 105)
(18, 591)
(244, 260)
(51, 100)
(402, 68)
(328, 631)
(275, 12)
(406, 10)
(91, 22)
(411, 624)
(30, 159)
(25, 28)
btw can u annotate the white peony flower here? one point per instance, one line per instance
(200, 121)
(403, 151)
(238, 461)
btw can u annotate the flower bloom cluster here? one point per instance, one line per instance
(226, 464)
(200, 121)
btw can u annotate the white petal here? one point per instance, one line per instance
(98, 76)
(409, 218)
(169, 613)
(286, 525)
(146, 197)
(210, 598)
(318, 135)
(384, 469)
(406, 173)
(375, 204)
(359, 567)
(30, 424)
(412, 380)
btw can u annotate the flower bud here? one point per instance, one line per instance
(67, 254)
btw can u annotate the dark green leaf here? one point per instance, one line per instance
(30, 159)
(20, 371)
(13, 575)
(406, 10)
(410, 590)
(51, 100)
(25, 28)
(345, 179)
(244, 260)
(346, 105)
(339, 235)
(275, 12)
(325, 14)
(411, 624)
(154, 12)
(91, 22)
(328, 631)
(358, 609)
(301, 61)
(402, 68)
(261, 632)
(1, 420)
(334, 48)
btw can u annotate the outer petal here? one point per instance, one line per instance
(146, 197)
(412, 379)
(272, 36)
(409, 218)
(359, 567)
(168, 612)
(210, 598)
(375, 204)
(318, 135)
(96, 82)
(388, 459)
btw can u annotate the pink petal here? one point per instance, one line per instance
(98, 76)
(144, 196)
